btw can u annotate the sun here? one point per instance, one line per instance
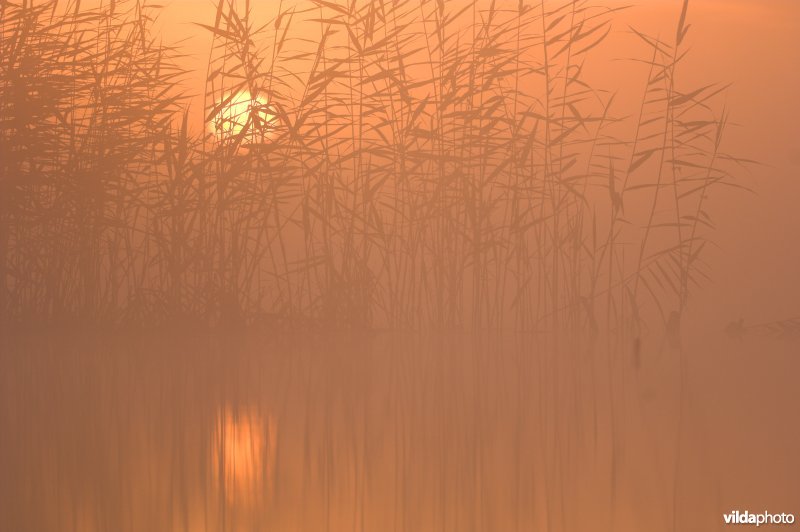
(243, 112)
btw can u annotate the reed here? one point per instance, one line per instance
(406, 164)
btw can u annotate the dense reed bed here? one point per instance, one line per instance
(402, 164)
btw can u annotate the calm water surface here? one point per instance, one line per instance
(386, 432)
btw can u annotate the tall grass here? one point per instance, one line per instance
(403, 164)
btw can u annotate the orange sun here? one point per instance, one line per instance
(243, 112)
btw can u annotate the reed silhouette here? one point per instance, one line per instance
(406, 164)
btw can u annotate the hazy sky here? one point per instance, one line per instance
(750, 44)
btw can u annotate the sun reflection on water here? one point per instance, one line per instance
(244, 455)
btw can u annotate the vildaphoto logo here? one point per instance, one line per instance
(765, 518)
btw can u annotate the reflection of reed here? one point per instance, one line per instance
(244, 454)
(407, 433)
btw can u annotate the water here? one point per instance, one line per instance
(201, 432)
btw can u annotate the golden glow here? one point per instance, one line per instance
(243, 112)
(244, 454)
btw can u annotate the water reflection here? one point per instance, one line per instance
(244, 452)
(376, 433)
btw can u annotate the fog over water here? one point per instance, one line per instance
(388, 432)
(416, 279)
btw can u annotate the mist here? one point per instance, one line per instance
(411, 265)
